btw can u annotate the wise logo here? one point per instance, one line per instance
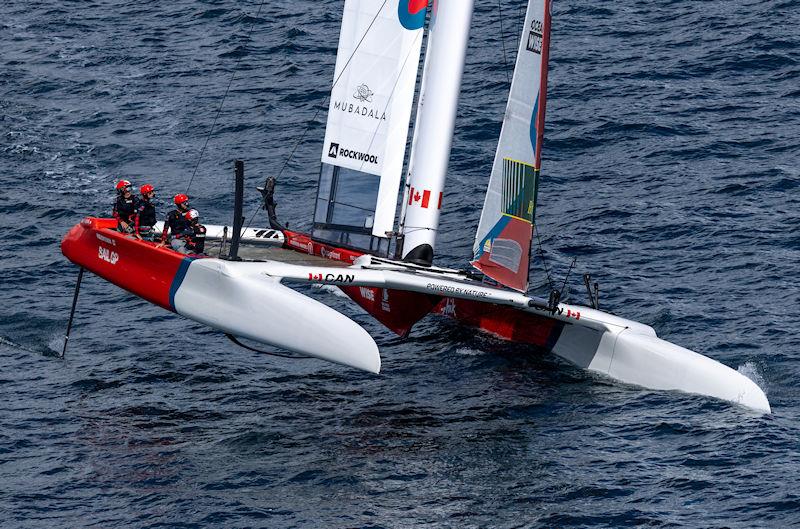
(412, 13)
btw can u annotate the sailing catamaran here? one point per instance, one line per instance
(355, 246)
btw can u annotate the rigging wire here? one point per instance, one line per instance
(289, 158)
(222, 102)
(391, 93)
(541, 254)
(574, 260)
(378, 12)
(335, 82)
(319, 109)
(235, 340)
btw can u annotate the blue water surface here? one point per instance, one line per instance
(670, 171)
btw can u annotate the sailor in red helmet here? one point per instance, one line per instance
(177, 224)
(195, 234)
(125, 207)
(145, 217)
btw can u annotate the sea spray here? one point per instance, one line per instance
(751, 371)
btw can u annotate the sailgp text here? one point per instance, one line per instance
(107, 255)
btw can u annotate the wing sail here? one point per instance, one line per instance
(370, 110)
(503, 240)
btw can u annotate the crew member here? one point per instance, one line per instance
(125, 207)
(195, 235)
(145, 217)
(177, 224)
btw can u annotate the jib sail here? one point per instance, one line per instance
(503, 241)
(368, 119)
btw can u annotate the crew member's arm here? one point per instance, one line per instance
(165, 232)
(136, 222)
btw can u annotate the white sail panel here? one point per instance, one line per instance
(373, 90)
(503, 241)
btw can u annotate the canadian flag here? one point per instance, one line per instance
(424, 199)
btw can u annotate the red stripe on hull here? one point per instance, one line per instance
(137, 266)
(301, 242)
(505, 322)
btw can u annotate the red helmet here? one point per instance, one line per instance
(191, 215)
(122, 184)
(147, 188)
(180, 199)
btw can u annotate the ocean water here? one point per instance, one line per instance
(670, 171)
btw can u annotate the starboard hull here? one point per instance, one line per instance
(632, 354)
(621, 349)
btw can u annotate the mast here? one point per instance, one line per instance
(433, 132)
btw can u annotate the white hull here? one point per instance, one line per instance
(237, 299)
(622, 349)
(632, 353)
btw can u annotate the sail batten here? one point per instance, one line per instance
(369, 110)
(503, 240)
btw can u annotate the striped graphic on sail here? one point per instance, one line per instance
(518, 189)
(503, 240)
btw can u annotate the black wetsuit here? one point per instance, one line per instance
(125, 211)
(176, 224)
(195, 236)
(145, 217)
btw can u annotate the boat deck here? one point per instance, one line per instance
(261, 252)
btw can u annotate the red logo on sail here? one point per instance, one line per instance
(412, 13)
